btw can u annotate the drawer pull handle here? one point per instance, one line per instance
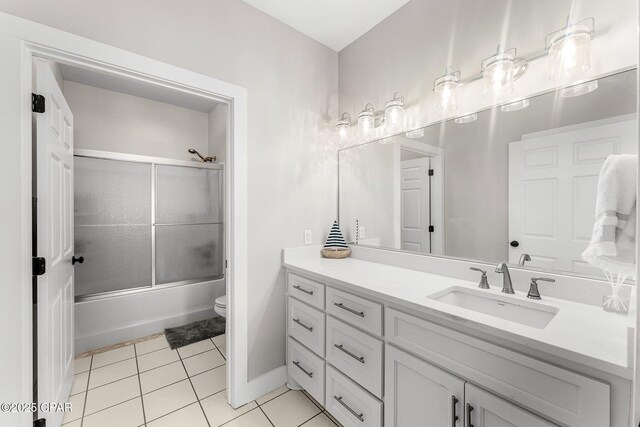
(454, 417)
(308, 328)
(301, 289)
(309, 374)
(468, 417)
(350, 310)
(341, 348)
(348, 408)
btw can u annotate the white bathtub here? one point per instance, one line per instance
(107, 321)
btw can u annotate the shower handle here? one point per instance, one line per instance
(79, 260)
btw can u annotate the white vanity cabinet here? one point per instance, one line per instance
(422, 394)
(418, 393)
(373, 363)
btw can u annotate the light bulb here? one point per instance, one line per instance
(569, 53)
(394, 114)
(446, 90)
(366, 122)
(498, 73)
(342, 126)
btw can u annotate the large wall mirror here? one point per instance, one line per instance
(517, 186)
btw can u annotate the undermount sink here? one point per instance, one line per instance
(524, 312)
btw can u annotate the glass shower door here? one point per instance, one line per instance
(112, 225)
(188, 224)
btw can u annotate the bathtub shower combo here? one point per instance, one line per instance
(150, 232)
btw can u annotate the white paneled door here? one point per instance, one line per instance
(415, 205)
(553, 178)
(54, 181)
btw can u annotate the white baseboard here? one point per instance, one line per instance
(261, 385)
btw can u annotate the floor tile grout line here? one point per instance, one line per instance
(316, 415)
(144, 414)
(265, 414)
(111, 382)
(275, 397)
(194, 390)
(86, 395)
(111, 406)
(235, 418)
(175, 410)
(113, 363)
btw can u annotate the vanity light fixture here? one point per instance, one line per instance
(515, 106)
(579, 89)
(569, 50)
(342, 126)
(466, 118)
(446, 90)
(500, 70)
(394, 114)
(366, 121)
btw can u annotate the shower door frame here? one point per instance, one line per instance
(22, 41)
(153, 161)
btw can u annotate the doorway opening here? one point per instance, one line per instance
(148, 216)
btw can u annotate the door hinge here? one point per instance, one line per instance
(38, 265)
(37, 103)
(40, 423)
(226, 264)
(431, 229)
(430, 172)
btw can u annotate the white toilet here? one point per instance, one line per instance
(220, 306)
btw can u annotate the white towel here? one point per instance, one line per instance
(613, 242)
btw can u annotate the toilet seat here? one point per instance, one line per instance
(221, 301)
(220, 306)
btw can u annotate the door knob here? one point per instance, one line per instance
(514, 243)
(79, 259)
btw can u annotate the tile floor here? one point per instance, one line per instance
(148, 384)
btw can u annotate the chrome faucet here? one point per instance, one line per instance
(524, 257)
(507, 286)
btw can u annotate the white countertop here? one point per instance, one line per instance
(579, 333)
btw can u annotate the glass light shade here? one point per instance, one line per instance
(570, 53)
(394, 115)
(579, 89)
(497, 73)
(515, 106)
(342, 126)
(466, 119)
(366, 123)
(446, 90)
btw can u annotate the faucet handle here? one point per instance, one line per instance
(484, 283)
(533, 288)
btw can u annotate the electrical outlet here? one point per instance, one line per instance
(362, 233)
(307, 237)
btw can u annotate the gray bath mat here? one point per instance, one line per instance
(194, 332)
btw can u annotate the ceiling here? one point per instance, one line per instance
(138, 88)
(334, 23)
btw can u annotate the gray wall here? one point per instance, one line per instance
(113, 121)
(292, 99)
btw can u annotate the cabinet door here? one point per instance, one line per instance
(484, 409)
(419, 394)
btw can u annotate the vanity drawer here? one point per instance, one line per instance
(306, 369)
(356, 354)
(358, 311)
(306, 290)
(564, 396)
(306, 324)
(350, 404)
